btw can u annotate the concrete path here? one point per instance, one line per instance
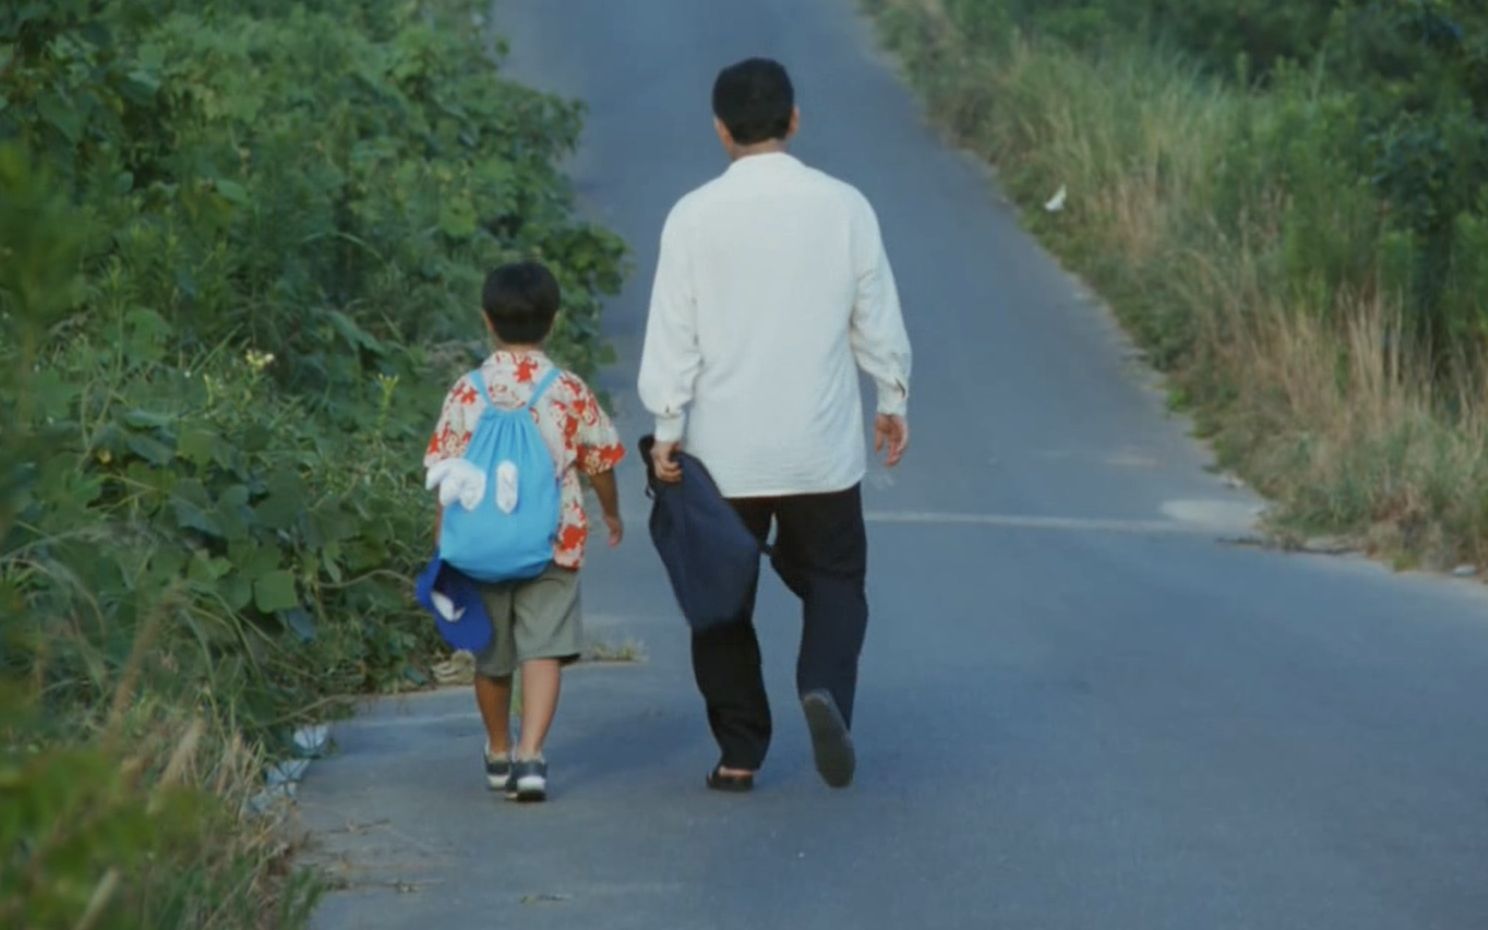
(1081, 707)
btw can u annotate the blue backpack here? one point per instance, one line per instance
(503, 527)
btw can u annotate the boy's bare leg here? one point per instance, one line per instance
(493, 697)
(541, 682)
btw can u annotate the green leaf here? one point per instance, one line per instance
(62, 115)
(363, 555)
(147, 332)
(354, 335)
(152, 483)
(330, 561)
(232, 192)
(146, 81)
(198, 446)
(206, 570)
(457, 218)
(252, 560)
(190, 516)
(329, 523)
(148, 419)
(274, 592)
(233, 514)
(150, 449)
(256, 438)
(193, 492)
(285, 504)
(62, 485)
(53, 394)
(167, 563)
(237, 591)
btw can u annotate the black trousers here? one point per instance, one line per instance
(821, 552)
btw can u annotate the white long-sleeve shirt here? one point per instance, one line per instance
(771, 289)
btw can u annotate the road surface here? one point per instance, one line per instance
(1081, 706)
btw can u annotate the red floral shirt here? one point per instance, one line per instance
(577, 431)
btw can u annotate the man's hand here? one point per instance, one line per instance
(664, 460)
(617, 528)
(891, 432)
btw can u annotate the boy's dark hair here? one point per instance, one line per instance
(754, 99)
(521, 301)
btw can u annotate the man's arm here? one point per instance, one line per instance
(879, 340)
(671, 357)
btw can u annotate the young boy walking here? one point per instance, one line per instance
(536, 623)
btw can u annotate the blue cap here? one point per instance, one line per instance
(472, 632)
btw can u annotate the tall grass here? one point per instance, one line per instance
(136, 814)
(1233, 238)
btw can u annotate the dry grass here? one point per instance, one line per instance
(627, 650)
(1308, 390)
(138, 810)
(1334, 421)
(459, 668)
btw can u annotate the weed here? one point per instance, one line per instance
(1256, 240)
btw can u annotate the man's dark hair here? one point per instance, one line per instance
(754, 99)
(521, 301)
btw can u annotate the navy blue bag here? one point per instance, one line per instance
(710, 556)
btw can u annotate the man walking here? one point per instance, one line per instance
(772, 289)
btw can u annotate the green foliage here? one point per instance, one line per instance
(1286, 205)
(99, 836)
(230, 303)
(1403, 85)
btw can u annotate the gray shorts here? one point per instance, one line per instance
(537, 619)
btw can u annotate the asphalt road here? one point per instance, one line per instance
(1081, 706)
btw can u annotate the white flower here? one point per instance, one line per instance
(257, 360)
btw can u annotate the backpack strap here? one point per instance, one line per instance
(542, 387)
(478, 381)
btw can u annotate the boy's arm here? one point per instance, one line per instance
(451, 434)
(599, 451)
(609, 499)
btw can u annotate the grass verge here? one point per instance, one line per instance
(1241, 252)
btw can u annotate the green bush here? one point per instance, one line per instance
(1301, 245)
(1404, 90)
(240, 253)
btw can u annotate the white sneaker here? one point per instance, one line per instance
(498, 770)
(529, 780)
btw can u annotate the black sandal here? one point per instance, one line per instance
(734, 784)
